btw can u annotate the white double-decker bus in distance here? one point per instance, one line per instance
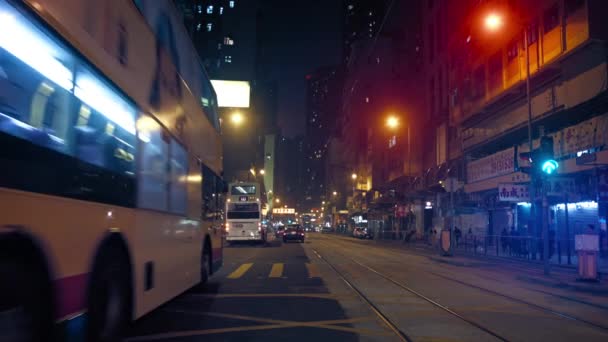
(110, 151)
(244, 213)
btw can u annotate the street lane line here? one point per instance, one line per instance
(313, 270)
(240, 271)
(276, 271)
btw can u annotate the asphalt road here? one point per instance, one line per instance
(335, 288)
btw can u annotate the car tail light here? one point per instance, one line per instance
(259, 227)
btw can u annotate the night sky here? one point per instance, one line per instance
(308, 35)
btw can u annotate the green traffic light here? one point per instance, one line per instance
(549, 166)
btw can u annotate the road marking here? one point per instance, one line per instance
(276, 271)
(240, 271)
(271, 324)
(313, 270)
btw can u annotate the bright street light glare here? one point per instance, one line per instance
(262, 172)
(353, 176)
(493, 22)
(237, 118)
(335, 193)
(392, 121)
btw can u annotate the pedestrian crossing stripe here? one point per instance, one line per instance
(240, 271)
(276, 271)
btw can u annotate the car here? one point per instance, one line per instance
(294, 232)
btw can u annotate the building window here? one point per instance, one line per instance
(512, 50)
(199, 26)
(221, 10)
(533, 33)
(479, 82)
(199, 9)
(551, 18)
(495, 70)
(228, 41)
(231, 4)
(227, 59)
(209, 27)
(210, 9)
(572, 6)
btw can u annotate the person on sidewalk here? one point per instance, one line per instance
(457, 235)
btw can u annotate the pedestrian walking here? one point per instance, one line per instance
(457, 235)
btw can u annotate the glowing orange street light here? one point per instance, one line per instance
(392, 122)
(493, 22)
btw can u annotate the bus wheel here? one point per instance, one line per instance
(25, 301)
(109, 306)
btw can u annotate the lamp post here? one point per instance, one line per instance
(493, 22)
(354, 178)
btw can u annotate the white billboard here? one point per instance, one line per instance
(233, 94)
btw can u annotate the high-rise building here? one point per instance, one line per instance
(363, 19)
(323, 94)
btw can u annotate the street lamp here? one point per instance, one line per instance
(277, 200)
(353, 176)
(493, 22)
(237, 118)
(392, 122)
(335, 193)
(262, 172)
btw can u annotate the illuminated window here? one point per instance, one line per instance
(221, 10)
(199, 9)
(551, 18)
(228, 41)
(199, 26)
(227, 59)
(210, 9)
(209, 27)
(231, 4)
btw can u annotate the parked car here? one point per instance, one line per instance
(293, 232)
(280, 231)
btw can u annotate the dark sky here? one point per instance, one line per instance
(307, 35)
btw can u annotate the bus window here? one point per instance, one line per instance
(154, 151)
(179, 173)
(210, 194)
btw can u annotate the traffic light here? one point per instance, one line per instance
(545, 159)
(542, 159)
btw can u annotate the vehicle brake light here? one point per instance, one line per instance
(259, 227)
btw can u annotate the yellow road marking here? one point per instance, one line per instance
(240, 271)
(313, 271)
(272, 324)
(276, 271)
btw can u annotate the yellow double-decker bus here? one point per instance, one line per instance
(110, 164)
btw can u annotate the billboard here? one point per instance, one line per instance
(232, 94)
(283, 211)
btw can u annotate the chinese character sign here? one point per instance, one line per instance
(497, 164)
(513, 193)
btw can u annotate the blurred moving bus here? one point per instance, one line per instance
(244, 213)
(110, 153)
